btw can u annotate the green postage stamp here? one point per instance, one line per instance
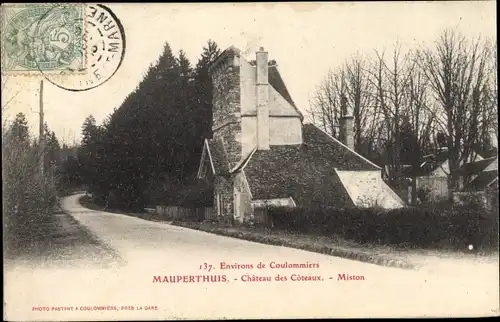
(43, 38)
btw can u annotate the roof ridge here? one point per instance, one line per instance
(492, 158)
(292, 103)
(206, 147)
(491, 182)
(279, 74)
(243, 162)
(482, 160)
(231, 49)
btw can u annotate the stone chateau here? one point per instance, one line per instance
(262, 153)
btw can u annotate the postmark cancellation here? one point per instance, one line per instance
(43, 38)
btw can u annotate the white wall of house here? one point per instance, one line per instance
(241, 199)
(247, 88)
(278, 105)
(437, 181)
(248, 134)
(493, 166)
(276, 202)
(442, 171)
(444, 168)
(285, 126)
(285, 130)
(367, 189)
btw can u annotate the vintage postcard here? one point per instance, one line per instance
(249, 160)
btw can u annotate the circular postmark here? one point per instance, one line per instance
(99, 53)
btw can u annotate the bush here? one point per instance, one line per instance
(420, 227)
(28, 196)
(190, 193)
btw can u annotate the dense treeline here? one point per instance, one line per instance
(149, 147)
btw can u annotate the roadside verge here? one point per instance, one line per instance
(439, 261)
(377, 256)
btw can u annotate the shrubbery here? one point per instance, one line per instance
(191, 193)
(419, 227)
(28, 196)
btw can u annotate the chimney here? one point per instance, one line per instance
(346, 123)
(262, 94)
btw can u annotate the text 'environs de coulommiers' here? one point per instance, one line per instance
(261, 265)
(273, 265)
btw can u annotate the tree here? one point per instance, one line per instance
(204, 89)
(391, 80)
(419, 125)
(52, 148)
(185, 66)
(350, 86)
(28, 194)
(359, 99)
(325, 108)
(458, 74)
(87, 153)
(89, 128)
(19, 129)
(157, 131)
(139, 141)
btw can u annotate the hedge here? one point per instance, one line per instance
(430, 227)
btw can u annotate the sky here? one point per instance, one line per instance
(306, 39)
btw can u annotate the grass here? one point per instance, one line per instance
(59, 240)
(384, 256)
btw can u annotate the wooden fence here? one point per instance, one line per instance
(261, 217)
(180, 213)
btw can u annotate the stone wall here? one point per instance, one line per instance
(226, 106)
(223, 199)
(231, 134)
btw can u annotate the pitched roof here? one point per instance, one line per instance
(337, 153)
(277, 82)
(305, 172)
(274, 77)
(244, 160)
(431, 162)
(485, 150)
(482, 181)
(476, 167)
(292, 171)
(228, 52)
